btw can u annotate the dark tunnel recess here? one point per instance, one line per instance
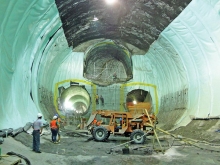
(137, 22)
(75, 100)
(138, 96)
(107, 63)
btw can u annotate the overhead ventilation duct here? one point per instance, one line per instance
(107, 63)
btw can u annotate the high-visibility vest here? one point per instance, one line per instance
(94, 121)
(53, 124)
(98, 123)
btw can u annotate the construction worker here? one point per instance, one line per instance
(115, 76)
(98, 123)
(102, 100)
(37, 130)
(59, 122)
(54, 126)
(97, 99)
(94, 121)
(121, 122)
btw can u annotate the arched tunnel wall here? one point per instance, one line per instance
(26, 27)
(194, 34)
(53, 57)
(182, 63)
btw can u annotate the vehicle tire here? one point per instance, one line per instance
(137, 136)
(108, 135)
(100, 133)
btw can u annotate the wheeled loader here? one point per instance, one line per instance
(134, 123)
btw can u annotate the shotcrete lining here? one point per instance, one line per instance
(104, 60)
(107, 52)
(136, 22)
(156, 76)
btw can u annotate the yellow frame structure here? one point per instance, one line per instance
(74, 80)
(94, 90)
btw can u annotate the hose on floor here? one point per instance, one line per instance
(111, 149)
(193, 142)
(21, 156)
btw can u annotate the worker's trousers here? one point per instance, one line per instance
(54, 134)
(36, 140)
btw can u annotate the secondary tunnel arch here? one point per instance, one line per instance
(107, 63)
(75, 100)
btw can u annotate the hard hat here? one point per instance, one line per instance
(55, 117)
(39, 115)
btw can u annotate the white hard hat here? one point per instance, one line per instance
(39, 115)
(55, 117)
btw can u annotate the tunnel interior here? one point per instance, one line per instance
(169, 49)
(138, 95)
(59, 56)
(74, 100)
(107, 63)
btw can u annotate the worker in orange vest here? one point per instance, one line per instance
(94, 121)
(98, 123)
(59, 122)
(54, 126)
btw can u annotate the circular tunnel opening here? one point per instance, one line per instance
(137, 96)
(107, 63)
(75, 100)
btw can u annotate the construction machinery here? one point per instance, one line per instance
(136, 123)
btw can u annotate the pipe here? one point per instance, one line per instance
(6, 132)
(21, 156)
(205, 118)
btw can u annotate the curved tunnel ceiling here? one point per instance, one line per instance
(138, 23)
(137, 95)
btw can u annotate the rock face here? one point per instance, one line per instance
(108, 63)
(136, 22)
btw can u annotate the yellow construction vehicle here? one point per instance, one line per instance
(134, 123)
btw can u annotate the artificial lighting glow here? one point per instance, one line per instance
(95, 18)
(134, 102)
(68, 105)
(110, 1)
